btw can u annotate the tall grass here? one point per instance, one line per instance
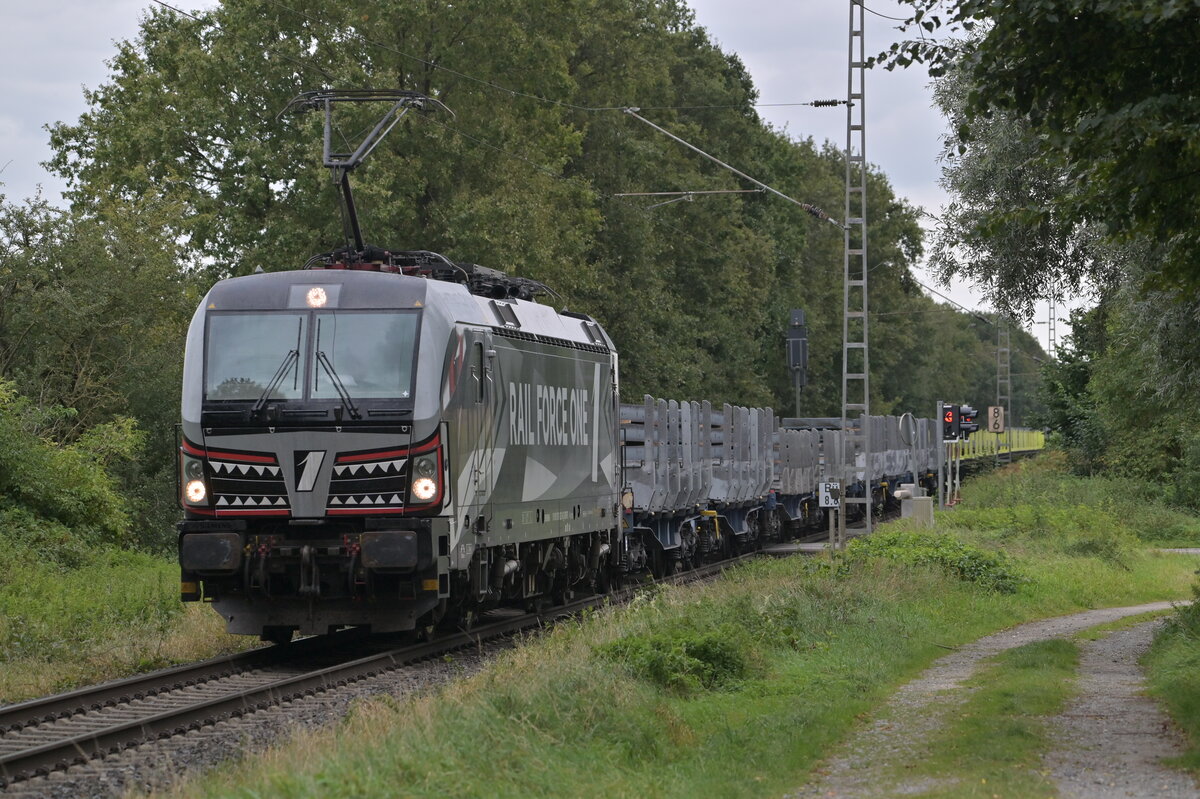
(1173, 664)
(1038, 497)
(77, 614)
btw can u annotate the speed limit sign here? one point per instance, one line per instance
(995, 422)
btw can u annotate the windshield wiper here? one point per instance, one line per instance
(337, 384)
(288, 361)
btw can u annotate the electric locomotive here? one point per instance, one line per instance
(367, 444)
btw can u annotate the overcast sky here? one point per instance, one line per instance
(795, 51)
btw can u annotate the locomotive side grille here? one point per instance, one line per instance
(242, 486)
(379, 484)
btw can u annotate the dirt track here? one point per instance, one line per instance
(1111, 740)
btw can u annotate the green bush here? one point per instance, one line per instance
(992, 571)
(66, 585)
(682, 659)
(69, 485)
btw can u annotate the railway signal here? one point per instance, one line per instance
(797, 352)
(950, 422)
(967, 421)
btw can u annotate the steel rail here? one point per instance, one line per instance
(58, 706)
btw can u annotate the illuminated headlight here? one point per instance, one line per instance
(424, 488)
(316, 297)
(195, 491)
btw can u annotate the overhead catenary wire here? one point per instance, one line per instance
(809, 207)
(876, 13)
(682, 196)
(956, 304)
(576, 182)
(676, 193)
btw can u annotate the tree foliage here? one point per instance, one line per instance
(1109, 91)
(1073, 162)
(62, 485)
(93, 310)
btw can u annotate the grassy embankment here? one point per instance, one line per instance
(73, 614)
(737, 688)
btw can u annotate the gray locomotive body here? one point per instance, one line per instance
(378, 449)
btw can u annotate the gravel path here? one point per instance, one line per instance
(1112, 736)
(865, 765)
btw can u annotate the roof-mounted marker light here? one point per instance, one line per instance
(316, 297)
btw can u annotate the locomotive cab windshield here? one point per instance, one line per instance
(308, 361)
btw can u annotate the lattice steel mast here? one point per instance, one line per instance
(1003, 385)
(1052, 324)
(856, 381)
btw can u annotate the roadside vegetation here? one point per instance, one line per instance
(1173, 667)
(77, 603)
(740, 686)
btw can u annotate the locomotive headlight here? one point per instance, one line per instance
(193, 469)
(424, 488)
(425, 477)
(425, 466)
(195, 491)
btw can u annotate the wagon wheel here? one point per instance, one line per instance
(277, 634)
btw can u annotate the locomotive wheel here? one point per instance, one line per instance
(427, 625)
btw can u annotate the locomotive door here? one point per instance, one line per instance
(487, 459)
(483, 416)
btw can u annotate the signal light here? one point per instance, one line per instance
(950, 422)
(967, 421)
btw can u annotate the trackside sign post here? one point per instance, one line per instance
(995, 419)
(829, 493)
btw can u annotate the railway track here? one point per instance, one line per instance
(53, 733)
